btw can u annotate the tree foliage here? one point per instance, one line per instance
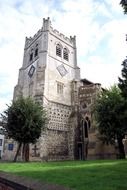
(111, 118)
(124, 5)
(25, 121)
(123, 81)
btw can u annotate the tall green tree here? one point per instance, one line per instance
(25, 121)
(111, 120)
(124, 5)
(123, 80)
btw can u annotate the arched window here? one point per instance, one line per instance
(31, 55)
(65, 54)
(88, 121)
(36, 51)
(58, 50)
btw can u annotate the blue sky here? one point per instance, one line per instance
(99, 25)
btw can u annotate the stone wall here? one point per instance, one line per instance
(58, 115)
(57, 145)
(98, 150)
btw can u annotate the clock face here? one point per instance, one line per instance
(31, 71)
(62, 70)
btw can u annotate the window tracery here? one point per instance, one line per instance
(65, 54)
(31, 55)
(36, 51)
(58, 50)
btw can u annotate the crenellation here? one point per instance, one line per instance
(31, 40)
(70, 40)
(62, 35)
(56, 32)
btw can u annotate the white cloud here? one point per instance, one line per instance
(99, 71)
(93, 22)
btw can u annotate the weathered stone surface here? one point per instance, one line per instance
(55, 83)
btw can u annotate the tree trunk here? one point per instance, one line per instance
(121, 148)
(25, 152)
(18, 149)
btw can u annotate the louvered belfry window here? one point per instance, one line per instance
(58, 50)
(65, 54)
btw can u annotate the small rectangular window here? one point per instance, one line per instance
(10, 147)
(60, 88)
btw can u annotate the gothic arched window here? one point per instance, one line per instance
(31, 55)
(65, 54)
(36, 51)
(86, 129)
(88, 121)
(58, 50)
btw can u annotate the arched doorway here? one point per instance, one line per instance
(82, 144)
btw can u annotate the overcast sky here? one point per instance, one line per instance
(99, 25)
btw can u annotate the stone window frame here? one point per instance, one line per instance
(31, 55)
(60, 88)
(36, 50)
(59, 49)
(66, 54)
(85, 123)
(10, 147)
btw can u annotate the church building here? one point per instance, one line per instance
(51, 76)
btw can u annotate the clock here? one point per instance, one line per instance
(62, 70)
(31, 71)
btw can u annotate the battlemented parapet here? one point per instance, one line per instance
(30, 40)
(47, 27)
(71, 40)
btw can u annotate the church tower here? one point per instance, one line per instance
(49, 67)
(50, 75)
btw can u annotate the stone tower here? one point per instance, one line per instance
(50, 75)
(49, 67)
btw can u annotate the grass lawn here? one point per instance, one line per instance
(78, 175)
